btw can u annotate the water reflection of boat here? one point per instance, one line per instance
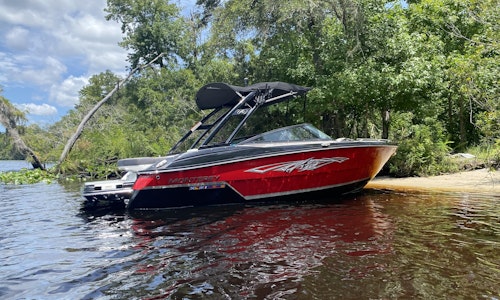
(258, 246)
(297, 229)
(239, 228)
(240, 152)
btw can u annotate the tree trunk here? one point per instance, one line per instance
(24, 149)
(386, 117)
(340, 124)
(462, 123)
(71, 142)
(327, 124)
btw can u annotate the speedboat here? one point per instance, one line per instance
(245, 150)
(112, 193)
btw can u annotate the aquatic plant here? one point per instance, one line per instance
(27, 176)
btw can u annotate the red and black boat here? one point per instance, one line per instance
(242, 151)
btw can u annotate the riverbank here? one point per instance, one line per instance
(476, 181)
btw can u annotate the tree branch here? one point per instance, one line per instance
(71, 142)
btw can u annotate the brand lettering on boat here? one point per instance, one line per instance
(309, 164)
(207, 187)
(196, 179)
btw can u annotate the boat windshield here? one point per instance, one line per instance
(300, 132)
(264, 119)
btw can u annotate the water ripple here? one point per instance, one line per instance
(373, 245)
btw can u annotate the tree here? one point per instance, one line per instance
(71, 142)
(151, 28)
(468, 33)
(9, 118)
(431, 65)
(7, 149)
(349, 51)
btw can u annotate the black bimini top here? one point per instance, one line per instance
(214, 95)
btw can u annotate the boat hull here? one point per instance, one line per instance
(271, 174)
(107, 199)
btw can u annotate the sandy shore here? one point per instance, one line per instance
(477, 181)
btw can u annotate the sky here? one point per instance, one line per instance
(50, 48)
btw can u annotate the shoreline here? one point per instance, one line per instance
(477, 181)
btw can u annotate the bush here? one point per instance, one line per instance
(422, 148)
(489, 153)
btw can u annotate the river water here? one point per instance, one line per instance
(373, 245)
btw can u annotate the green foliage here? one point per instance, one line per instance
(422, 148)
(489, 124)
(7, 149)
(44, 142)
(432, 67)
(96, 152)
(163, 99)
(27, 176)
(99, 86)
(89, 169)
(150, 27)
(486, 155)
(9, 114)
(469, 41)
